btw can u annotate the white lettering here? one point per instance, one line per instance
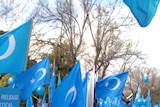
(6, 105)
(9, 97)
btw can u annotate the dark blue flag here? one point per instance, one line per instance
(70, 92)
(14, 49)
(143, 10)
(111, 86)
(29, 80)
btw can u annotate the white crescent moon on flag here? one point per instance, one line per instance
(43, 70)
(10, 49)
(72, 89)
(118, 83)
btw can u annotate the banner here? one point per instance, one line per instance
(9, 97)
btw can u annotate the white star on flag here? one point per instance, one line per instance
(32, 80)
(106, 84)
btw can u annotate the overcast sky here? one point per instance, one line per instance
(150, 39)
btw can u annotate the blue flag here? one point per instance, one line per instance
(14, 49)
(118, 102)
(44, 104)
(149, 95)
(52, 82)
(85, 87)
(111, 86)
(59, 79)
(157, 105)
(29, 80)
(143, 10)
(138, 93)
(148, 99)
(29, 102)
(70, 92)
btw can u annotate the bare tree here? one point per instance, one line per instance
(136, 80)
(64, 19)
(102, 22)
(13, 13)
(106, 24)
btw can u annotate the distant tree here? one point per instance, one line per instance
(136, 80)
(30, 62)
(1, 32)
(11, 12)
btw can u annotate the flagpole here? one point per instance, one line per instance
(90, 97)
(35, 97)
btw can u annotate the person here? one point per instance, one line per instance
(48, 104)
(39, 102)
(125, 100)
(96, 103)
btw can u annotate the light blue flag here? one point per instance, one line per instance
(143, 10)
(138, 93)
(59, 79)
(118, 102)
(37, 75)
(103, 103)
(52, 81)
(106, 102)
(70, 92)
(14, 49)
(44, 104)
(100, 102)
(111, 86)
(148, 95)
(85, 87)
(29, 102)
(148, 99)
(157, 105)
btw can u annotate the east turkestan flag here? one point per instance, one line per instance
(35, 76)
(14, 49)
(111, 86)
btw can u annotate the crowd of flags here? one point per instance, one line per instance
(72, 91)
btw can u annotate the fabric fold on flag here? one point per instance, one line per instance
(143, 11)
(70, 92)
(111, 86)
(14, 49)
(36, 75)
